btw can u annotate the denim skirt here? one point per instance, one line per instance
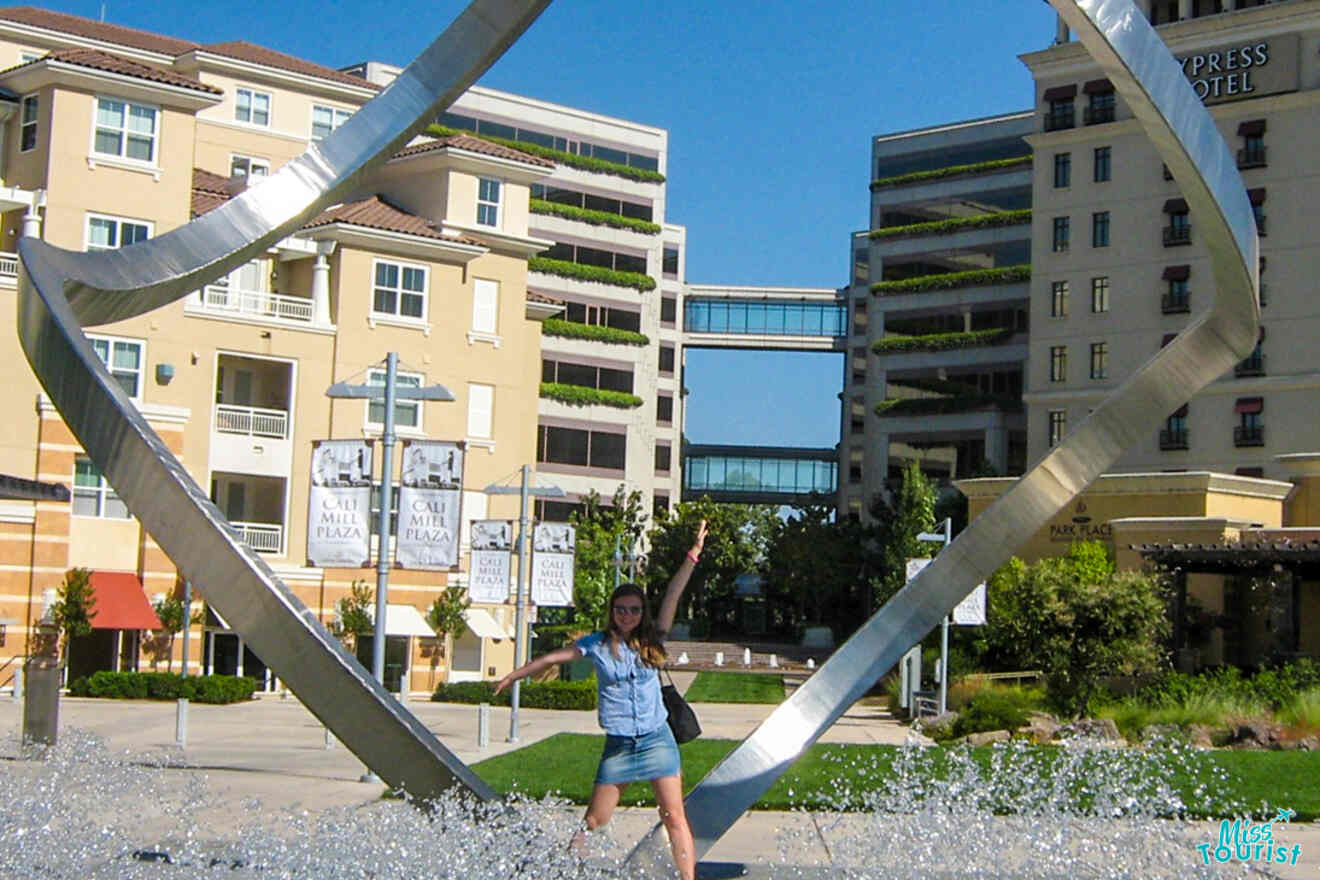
(633, 758)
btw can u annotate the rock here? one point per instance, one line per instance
(1201, 736)
(1254, 734)
(1041, 727)
(1153, 734)
(988, 737)
(1091, 728)
(1309, 744)
(935, 722)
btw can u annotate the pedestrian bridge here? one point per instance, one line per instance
(766, 318)
(760, 474)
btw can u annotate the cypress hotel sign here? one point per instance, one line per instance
(1244, 70)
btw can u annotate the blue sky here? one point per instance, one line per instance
(770, 108)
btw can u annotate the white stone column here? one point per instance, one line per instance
(996, 448)
(31, 218)
(1061, 34)
(1184, 9)
(321, 283)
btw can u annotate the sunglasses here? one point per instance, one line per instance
(628, 609)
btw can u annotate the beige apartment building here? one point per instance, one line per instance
(111, 136)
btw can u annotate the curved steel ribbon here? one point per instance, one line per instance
(60, 292)
(1121, 39)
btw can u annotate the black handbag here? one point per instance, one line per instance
(682, 720)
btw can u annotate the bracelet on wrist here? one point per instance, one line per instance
(694, 557)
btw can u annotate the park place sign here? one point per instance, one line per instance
(1077, 525)
(1244, 70)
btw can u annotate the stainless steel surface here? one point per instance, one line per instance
(60, 292)
(1120, 38)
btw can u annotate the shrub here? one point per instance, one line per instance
(942, 341)
(584, 163)
(956, 224)
(594, 332)
(953, 280)
(599, 274)
(935, 406)
(218, 689)
(992, 709)
(593, 217)
(949, 171)
(583, 395)
(534, 694)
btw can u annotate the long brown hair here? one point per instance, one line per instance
(644, 638)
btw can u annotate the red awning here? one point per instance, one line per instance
(1177, 273)
(1175, 206)
(1060, 93)
(1252, 127)
(121, 603)
(1249, 405)
(1098, 87)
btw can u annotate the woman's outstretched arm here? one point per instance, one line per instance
(566, 654)
(664, 621)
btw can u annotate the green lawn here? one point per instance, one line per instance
(837, 776)
(736, 687)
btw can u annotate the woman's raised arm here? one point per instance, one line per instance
(664, 620)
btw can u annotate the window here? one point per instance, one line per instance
(400, 290)
(252, 107)
(27, 132)
(668, 310)
(587, 376)
(481, 411)
(485, 305)
(1179, 230)
(327, 119)
(1099, 360)
(604, 316)
(248, 166)
(1174, 433)
(1058, 425)
(407, 413)
(1177, 298)
(1061, 234)
(106, 233)
(1101, 106)
(124, 359)
(1061, 114)
(659, 506)
(374, 517)
(1257, 199)
(664, 409)
(1250, 430)
(488, 202)
(125, 130)
(1058, 363)
(1252, 154)
(669, 264)
(662, 457)
(575, 446)
(92, 495)
(1100, 229)
(1062, 170)
(1103, 162)
(1059, 299)
(1100, 294)
(859, 365)
(666, 359)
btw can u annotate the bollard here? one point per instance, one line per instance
(811, 664)
(41, 701)
(774, 661)
(181, 723)
(18, 685)
(719, 658)
(747, 656)
(683, 659)
(483, 725)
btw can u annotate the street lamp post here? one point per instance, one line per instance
(524, 491)
(943, 537)
(390, 393)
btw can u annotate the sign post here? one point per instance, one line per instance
(943, 537)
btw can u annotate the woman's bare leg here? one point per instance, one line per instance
(669, 799)
(604, 798)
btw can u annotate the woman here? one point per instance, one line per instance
(638, 743)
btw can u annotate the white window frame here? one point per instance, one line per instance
(485, 311)
(122, 155)
(397, 315)
(119, 227)
(481, 411)
(492, 206)
(376, 376)
(338, 116)
(103, 492)
(253, 164)
(252, 95)
(33, 101)
(111, 342)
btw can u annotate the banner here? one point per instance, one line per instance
(970, 611)
(339, 504)
(552, 563)
(430, 495)
(492, 556)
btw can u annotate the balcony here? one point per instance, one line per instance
(1058, 121)
(8, 265)
(1175, 303)
(261, 537)
(1177, 235)
(1097, 115)
(1173, 439)
(251, 421)
(224, 300)
(1249, 435)
(1252, 157)
(1253, 365)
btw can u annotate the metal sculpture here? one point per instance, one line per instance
(60, 292)
(1137, 62)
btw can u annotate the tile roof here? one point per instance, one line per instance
(98, 60)
(474, 145)
(209, 191)
(376, 213)
(95, 30)
(245, 51)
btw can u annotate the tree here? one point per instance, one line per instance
(352, 615)
(601, 529)
(446, 618)
(897, 524)
(816, 572)
(74, 608)
(1078, 619)
(160, 644)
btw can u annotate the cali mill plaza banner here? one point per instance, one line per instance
(491, 562)
(430, 497)
(553, 547)
(339, 504)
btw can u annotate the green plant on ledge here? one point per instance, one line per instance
(954, 280)
(595, 218)
(939, 406)
(949, 171)
(955, 224)
(593, 332)
(942, 341)
(582, 395)
(583, 163)
(600, 274)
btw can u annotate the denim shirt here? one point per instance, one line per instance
(627, 690)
